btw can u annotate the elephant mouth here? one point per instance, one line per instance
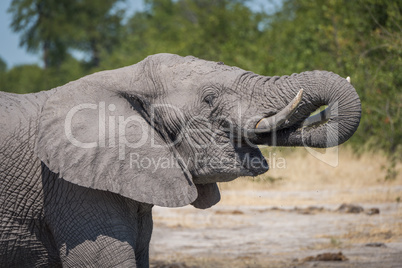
(242, 161)
(252, 161)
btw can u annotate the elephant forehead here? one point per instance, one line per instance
(179, 99)
(199, 70)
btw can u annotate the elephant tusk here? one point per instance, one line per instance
(348, 79)
(268, 124)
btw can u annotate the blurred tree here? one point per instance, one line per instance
(97, 26)
(3, 66)
(3, 69)
(57, 26)
(44, 25)
(217, 30)
(23, 79)
(31, 78)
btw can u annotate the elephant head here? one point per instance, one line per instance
(165, 130)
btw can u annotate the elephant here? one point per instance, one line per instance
(83, 164)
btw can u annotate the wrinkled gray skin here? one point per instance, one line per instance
(73, 188)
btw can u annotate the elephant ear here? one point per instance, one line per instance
(96, 138)
(208, 195)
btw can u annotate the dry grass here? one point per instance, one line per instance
(363, 234)
(185, 261)
(354, 179)
(387, 231)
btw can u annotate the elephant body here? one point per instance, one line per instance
(47, 225)
(82, 165)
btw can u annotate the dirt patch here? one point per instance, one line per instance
(350, 208)
(161, 264)
(344, 208)
(327, 256)
(376, 245)
(232, 212)
(307, 209)
(255, 236)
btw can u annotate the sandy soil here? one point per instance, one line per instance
(290, 217)
(260, 236)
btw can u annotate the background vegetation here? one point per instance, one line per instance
(361, 39)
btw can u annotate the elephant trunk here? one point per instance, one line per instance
(331, 127)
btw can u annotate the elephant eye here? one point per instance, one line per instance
(210, 99)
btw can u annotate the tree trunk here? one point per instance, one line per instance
(46, 45)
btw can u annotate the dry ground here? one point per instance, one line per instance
(290, 217)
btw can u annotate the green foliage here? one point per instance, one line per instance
(361, 39)
(97, 27)
(57, 26)
(32, 78)
(216, 30)
(43, 25)
(23, 79)
(3, 66)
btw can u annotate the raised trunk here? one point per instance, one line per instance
(319, 88)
